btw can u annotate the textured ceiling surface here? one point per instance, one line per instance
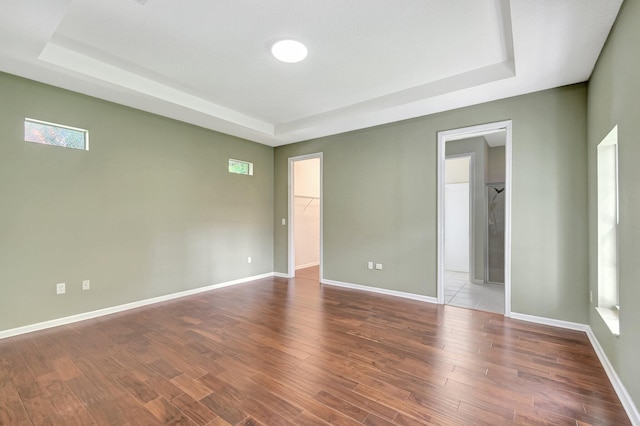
(370, 61)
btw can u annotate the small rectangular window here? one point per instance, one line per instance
(55, 134)
(240, 167)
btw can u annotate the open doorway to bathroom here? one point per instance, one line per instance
(305, 226)
(473, 217)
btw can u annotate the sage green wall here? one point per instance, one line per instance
(149, 210)
(614, 98)
(380, 201)
(478, 146)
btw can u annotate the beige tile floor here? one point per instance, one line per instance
(459, 291)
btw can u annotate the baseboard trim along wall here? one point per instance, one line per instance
(625, 398)
(125, 307)
(552, 322)
(428, 299)
(623, 394)
(281, 275)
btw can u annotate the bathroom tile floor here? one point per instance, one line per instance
(459, 291)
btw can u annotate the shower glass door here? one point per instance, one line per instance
(495, 233)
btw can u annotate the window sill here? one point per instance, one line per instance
(611, 317)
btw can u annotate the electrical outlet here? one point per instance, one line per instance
(86, 284)
(591, 296)
(379, 266)
(369, 265)
(249, 259)
(284, 221)
(60, 288)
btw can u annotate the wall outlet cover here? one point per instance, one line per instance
(86, 284)
(60, 288)
(379, 266)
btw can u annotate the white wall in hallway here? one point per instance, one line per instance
(456, 227)
(307, 212)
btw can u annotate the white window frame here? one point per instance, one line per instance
(608, 220)
(61, 126)
(249, 163)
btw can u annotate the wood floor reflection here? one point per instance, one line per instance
(310, 273)
(294, 352)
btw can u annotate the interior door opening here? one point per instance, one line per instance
(474, 217)
(305, 217)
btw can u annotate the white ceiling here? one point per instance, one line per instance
(370, 61)
(496, 138)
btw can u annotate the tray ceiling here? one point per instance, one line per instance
(370, 61)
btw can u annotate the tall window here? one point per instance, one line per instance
(55, 134)
(608, 220)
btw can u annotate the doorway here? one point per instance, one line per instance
(486, 285)
(305, 217)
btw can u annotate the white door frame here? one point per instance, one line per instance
(292, 248)
(464, 133)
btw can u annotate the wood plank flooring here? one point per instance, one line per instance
(293, 352)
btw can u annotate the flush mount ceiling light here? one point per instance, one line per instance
(289, 51)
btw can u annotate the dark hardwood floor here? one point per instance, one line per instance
(293, 352)
(311, 273)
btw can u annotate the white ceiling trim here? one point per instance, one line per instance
(355, 112)
(77, 62)
(73, 60)
(197, 64)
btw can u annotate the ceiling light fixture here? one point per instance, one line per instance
(289, 51)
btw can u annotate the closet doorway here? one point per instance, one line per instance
(305, 217)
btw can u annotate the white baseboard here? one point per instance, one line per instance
(549, 321)
(125, 307)
(625, 398)
(281, 275)
(412, 296)
(307, 265)
(621, 391)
